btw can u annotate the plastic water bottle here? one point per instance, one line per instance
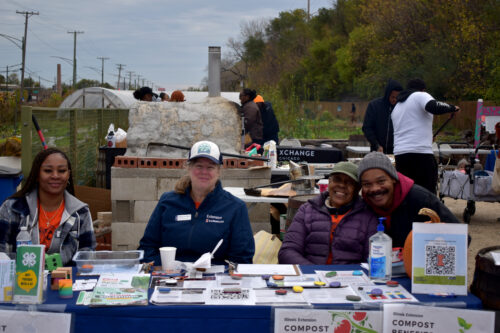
(380, 258)
(23, 237)
(111, 139)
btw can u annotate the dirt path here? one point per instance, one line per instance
(483, 228)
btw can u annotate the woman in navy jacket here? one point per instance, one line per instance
(198, 213)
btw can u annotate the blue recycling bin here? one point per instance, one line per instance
(9, 180)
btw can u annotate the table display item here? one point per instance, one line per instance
(30, 264)
(439, 251)
(98, 262)
(65, 288)
(7, 277)
(380, 255)
(121, 289)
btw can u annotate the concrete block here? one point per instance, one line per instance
(165, 185)
(133, 188)
(146, 173)
(143, 210)
(264, 173)
(123, 210)
(242, 182)
(257, 182)
(126, 235)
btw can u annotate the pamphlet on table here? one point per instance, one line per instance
(121, 289)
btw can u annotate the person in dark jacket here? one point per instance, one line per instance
(396, 197)
(199, 213)
(377, 125)
(251, 112)
(270, 124)
(333, 227)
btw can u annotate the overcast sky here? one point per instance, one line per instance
(164, 41)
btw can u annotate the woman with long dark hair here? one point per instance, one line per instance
(47, 207)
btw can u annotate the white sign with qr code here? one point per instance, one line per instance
(439, 258)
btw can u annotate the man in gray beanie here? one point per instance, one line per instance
(396, 197)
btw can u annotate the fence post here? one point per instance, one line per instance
(100, 126)
(72, 142)
(26, 151)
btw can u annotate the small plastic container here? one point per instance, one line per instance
(111, 260)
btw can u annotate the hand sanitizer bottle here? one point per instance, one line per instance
(380, 257)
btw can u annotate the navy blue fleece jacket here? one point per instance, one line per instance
(176, 222)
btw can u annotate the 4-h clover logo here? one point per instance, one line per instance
(204, 148)
(29, 259)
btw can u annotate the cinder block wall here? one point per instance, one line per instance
(136, 191)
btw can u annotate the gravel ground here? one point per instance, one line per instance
(484, 228)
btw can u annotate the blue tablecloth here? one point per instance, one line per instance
(198, 318)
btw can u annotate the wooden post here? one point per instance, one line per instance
(100, 127)
(72, 142)
(26, 138)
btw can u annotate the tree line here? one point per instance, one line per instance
(349, 51)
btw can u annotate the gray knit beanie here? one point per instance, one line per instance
(377, 160)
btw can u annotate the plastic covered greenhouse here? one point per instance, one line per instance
(97, 97)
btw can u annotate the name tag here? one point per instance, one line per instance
(185, 217)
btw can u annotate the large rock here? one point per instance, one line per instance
(183, 123)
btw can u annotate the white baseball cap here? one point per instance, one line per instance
(205, 149)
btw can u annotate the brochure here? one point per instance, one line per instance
(439, 258)
(30, 264)
(177, 296)
(121, 289)
(7, 274)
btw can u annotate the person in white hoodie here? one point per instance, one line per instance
(412, 121)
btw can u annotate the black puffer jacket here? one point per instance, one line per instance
(377, 125)
(402, 218)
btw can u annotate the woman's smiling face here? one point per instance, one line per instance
(54, 174)
(342, 189)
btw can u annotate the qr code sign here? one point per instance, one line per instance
(440, 260)
(217, 294)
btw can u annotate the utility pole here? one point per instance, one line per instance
(120, 67)
(102, 69)
(143, 82)
(26, 16)
(138, 82)
(129, 79)
(74, 54)
(308, 9)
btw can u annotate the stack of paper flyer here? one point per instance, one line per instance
(121, 289)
